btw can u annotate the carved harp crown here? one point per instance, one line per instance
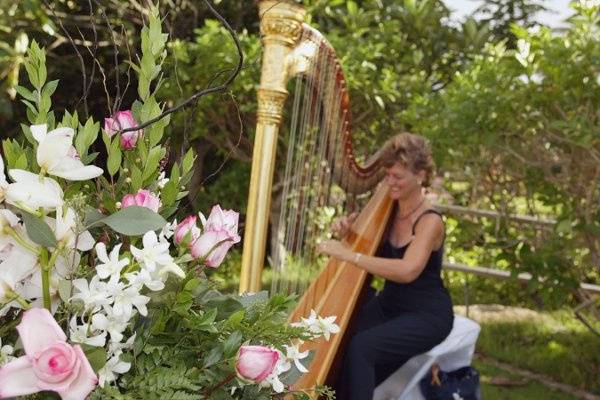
(320, 133)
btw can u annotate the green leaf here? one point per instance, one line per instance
(86, 136)
(25, 93)
(64, 289)
(95, 355)
(114, 157)
(213, 357)
(232, 344)
(50, 88)
(188, 161)
(92, 217)
(134, 221)
(39, 231)
(154, 157)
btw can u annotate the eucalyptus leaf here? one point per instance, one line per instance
(134, 221)
(39, 231)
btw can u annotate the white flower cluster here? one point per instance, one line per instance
(20, 271)
(113, 297)
(319, 326)
(284, 364)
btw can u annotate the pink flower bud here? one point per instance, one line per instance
(143, 198)
(185, 226)
(255, 363)
(123, 120)
(220, 233)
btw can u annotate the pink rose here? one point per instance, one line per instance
(255, 363)
(220, 233)
(185, 226)
(123, 120)
(143, 198)
(49, 363)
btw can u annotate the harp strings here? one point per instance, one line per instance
(309, 195)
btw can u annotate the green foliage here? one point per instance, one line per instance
(516, 132)
(502, 14)
(193, 350)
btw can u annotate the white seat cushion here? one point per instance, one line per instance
(454, 352)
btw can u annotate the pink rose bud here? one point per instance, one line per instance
(185, 226)
(49, 363)
(123, 120)
(143, 198)
(220, 233)
(255, 363)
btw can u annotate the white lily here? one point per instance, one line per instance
(65, 230)
(31, 192)
(57, 156)
(15, 268)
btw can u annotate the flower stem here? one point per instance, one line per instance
(47, 266)
(22, 242)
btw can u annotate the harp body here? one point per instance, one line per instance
(288, 45)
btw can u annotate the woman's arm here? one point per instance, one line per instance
(428, 234)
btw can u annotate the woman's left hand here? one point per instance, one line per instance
(336, 249)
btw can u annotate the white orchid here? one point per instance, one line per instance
(154, 252)
(114, 365)
(31, 192)
(81, 334)
(93, 294)
(327, 326)
(173, 269)
(318, 325)
(111, 323)
(125, 298)
(143, 277)
(111, 265)
(294, 355)
(57, 156)
(272, 380)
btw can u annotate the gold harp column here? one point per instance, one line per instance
(280, 27)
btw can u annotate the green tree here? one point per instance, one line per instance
(518, 131)
(500, 15)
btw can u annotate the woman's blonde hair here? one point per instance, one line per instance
(411, 151)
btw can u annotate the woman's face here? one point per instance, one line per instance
(402, 181)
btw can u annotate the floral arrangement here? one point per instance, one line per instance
(101, 296)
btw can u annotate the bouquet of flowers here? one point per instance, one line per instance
(103, 294)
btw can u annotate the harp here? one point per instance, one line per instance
(321, 117)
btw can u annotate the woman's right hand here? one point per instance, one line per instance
(341, 226)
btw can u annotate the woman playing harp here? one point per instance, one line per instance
(413, 313)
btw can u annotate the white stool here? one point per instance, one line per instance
(454, 352)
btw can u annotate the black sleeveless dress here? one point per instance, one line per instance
(426, 293)
(402, 321)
